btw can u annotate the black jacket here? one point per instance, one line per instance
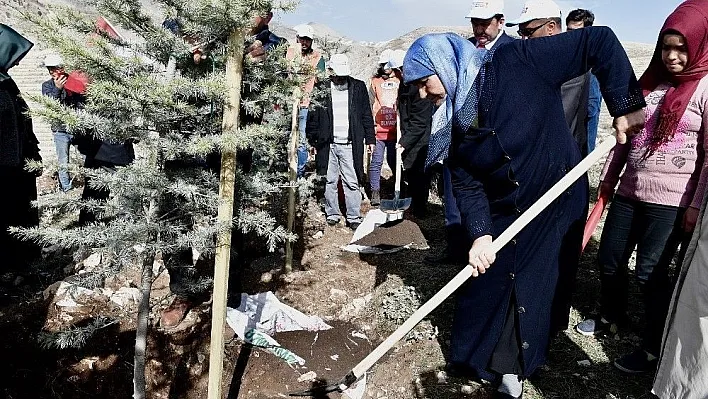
(575, 94)
(320, 128)
(503, 39)
(416, 115)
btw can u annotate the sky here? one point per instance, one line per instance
(381, 20)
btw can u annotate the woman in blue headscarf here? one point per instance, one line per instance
(500, 125)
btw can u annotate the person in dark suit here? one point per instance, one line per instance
(500, 119)
(415, 115)
(487, 19)
(542, 18)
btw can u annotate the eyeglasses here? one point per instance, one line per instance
(527, 32)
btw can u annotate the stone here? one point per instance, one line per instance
(309, 376)
(125, 296)
(337, 295)
(266, 277)
(92, 261)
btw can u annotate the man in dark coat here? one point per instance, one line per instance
(337, 130)
(487, 19)
(17, 143)
(542, 18)
(509, 144)
(415, 115)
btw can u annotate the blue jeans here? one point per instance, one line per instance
(593, 123)
(594, 106)
(62, 143)
(377, 158)
(341, 166)
(302, 145)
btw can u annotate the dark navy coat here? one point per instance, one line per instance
(523, 147)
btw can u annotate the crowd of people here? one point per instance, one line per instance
(471, 107)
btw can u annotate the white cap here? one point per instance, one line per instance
(305, 30)
(396, 59)
(486, 9)
(385, 56)
(537, 9)
(339, 64)
(53, 60)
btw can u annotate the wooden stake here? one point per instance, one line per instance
(234, 75)
(292, 163)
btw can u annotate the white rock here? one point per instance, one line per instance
(584, 363)
(338, 295)
(266, 277)
(334, 357)
(125, 295)
(318, 235)
(66, 303)
(441, 376)
(467, 390)
(92, 261)
(309, 376)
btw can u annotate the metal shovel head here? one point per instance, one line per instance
(395, 205)
(317, 392)
(321, 391)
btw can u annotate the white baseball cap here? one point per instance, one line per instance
(305, 30)
(53, 60)
(486, 9)
(339, 64)
(396, 59)
(537, 9)
(385, 56)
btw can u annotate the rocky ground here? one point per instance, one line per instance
(371, 294)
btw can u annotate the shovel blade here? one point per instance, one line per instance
(395, 205)
(317, 392)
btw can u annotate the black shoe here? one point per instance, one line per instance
(637, 362)
(332, 222)
(375, 198)
(354, 226)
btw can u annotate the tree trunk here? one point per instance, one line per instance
(139, 386)
(292, 163)
(234, 74)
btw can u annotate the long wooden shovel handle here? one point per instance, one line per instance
(399, 160)
(503, 239)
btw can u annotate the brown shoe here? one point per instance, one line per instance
(174, 314)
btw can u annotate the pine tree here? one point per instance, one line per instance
(165, 202)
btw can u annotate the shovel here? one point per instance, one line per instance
(496, 245)
(397, 204)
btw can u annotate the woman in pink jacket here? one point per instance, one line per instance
(662, 187)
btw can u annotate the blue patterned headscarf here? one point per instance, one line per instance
(457, 63)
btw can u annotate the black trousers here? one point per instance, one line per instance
(656, 231)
